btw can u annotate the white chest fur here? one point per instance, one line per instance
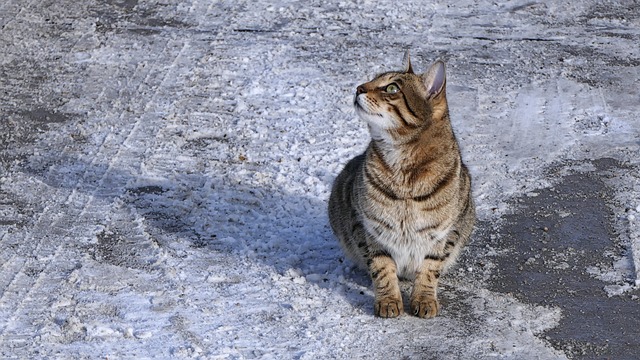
(406, 239)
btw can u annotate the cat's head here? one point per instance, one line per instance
(401, 102)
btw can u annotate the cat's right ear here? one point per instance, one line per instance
(406, 63)
(435, 79)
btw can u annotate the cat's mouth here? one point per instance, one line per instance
(362, 109)
(356, 102)
(366, 114)
(359, 106)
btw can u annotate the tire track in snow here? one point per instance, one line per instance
(45, 223)
(6, 20)
(8, 273)
(18, 290)
(30, 292)
(130, 153)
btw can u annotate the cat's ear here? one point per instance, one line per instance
(435, 79)
(406, 63)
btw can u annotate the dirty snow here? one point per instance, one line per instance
(166, 165)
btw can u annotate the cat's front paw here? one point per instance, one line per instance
(424, 306)
(388, 307)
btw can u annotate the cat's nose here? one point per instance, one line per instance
(360, 90)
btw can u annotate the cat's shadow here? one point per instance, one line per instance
(281, 230)
(287, 232)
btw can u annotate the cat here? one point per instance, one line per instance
(403, 208)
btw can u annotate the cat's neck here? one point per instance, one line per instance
(423, 147)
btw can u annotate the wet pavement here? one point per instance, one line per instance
(553, 240)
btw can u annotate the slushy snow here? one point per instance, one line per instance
(166, 167)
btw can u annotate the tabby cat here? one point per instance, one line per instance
(403, 208)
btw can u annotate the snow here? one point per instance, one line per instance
(166, 166)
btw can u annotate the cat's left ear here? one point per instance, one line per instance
(435, 79)
(406, 63)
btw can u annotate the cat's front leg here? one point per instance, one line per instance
(388, 299)
(424, 297)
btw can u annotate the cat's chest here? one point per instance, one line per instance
(406, 216)
(407, 224)
(410, 236)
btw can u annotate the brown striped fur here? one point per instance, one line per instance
(403, 208)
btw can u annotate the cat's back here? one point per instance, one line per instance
(342, 207)
(341, 199)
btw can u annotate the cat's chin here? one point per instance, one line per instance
(378, 133)
(377, 122)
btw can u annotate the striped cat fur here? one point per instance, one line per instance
(403, 208)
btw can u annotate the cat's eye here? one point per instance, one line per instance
(392, 89)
